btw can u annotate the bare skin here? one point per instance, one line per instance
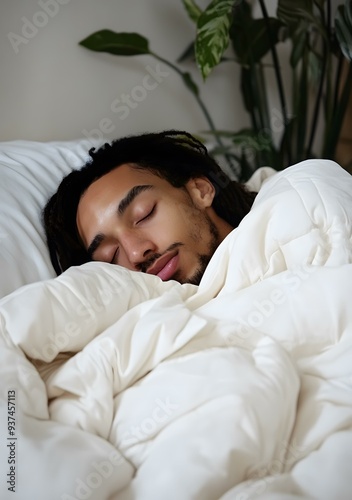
(133, 218)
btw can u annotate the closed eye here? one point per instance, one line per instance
(148, 215)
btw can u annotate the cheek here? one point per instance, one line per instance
(194, 223)
(183, 222)
(185, 214)
(166, 228)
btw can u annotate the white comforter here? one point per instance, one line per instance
(131, 388)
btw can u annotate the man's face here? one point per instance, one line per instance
(135, 219)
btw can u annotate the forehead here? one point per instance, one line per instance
(119, 181)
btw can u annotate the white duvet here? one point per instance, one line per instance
(131, 388)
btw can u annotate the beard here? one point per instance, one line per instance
(204, 259)
(202, 227)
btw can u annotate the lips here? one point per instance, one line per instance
(165, 267)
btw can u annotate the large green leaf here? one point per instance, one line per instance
(213, 34)
(248, 148)
(250, 37)
(304, 22)
(247, 139)
(292, 11)
(315, 67)
(193, 10)
(299, 42)
(256, 148)
(120, 44)
(239, 31)
(343, 27)
(250, 139)
(258, 40)
(319, 3)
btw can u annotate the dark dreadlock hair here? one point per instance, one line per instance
(173, 155)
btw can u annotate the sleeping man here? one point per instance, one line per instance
(156, 203)
(142, 386)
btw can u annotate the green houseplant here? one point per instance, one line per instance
(226, 31)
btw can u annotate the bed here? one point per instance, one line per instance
(116, 385)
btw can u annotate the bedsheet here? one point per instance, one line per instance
(127, 387)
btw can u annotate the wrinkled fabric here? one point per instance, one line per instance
(128, 387)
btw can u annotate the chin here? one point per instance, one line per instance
(195, 278)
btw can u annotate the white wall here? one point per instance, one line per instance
(53, 89)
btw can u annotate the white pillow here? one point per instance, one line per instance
(29, 174)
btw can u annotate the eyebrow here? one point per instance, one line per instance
(121, 209)
(131, 195)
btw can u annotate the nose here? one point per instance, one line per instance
(137, 249)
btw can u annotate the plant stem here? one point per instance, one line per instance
(302, 109)
(199, 100)
(317, 107)
(325, 57)
(337, 79)
(328, 20)
(277, 74)
(332, 140)
(234, 168)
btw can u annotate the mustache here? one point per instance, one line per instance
(150, 261)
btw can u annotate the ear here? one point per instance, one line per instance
(201, 191)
